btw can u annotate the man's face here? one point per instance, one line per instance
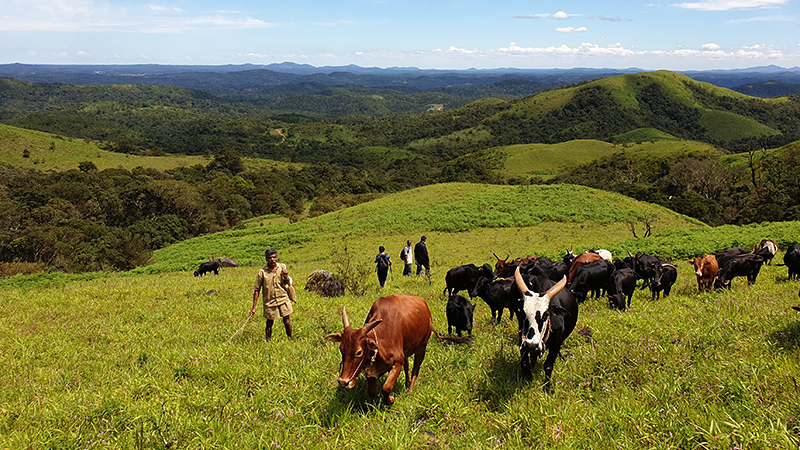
(272, 259)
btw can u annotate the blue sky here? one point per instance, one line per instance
(430, 34)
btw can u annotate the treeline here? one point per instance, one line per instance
(703, 186)
(87, 219)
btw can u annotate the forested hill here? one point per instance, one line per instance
(178, 120)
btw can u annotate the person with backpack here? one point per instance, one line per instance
(382, 264)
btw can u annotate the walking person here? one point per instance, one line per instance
(407, 255)
(278, 293)
(382, 264)
(421, 256)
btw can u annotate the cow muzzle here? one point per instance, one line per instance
(347, 383)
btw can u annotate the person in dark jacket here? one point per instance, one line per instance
(421, 257)
(382, 264)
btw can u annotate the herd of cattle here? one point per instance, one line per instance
(543, 295)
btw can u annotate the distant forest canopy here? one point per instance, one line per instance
(89, 219)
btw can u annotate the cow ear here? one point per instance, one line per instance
(335, 337)
(691, 263)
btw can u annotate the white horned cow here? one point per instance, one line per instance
(545, 322)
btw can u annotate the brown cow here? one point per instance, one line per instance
(397, 326)
(583, 258)
(504, 269)
(705, 268)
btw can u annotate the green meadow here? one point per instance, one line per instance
(545, 161)
(153, 358)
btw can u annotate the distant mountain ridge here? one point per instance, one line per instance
(404, 79)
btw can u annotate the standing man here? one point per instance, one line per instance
(421, 255)
(408, 258)
(274, 280)
(383, 264)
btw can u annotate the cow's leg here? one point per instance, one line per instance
(419, 356)
(552, 354)
(405, 371)
(526, 363)
(388, 385)
(372, 388)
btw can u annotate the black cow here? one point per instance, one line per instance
(547, 316)
(463, 278)
(207, 267)
(592, 277)
(621, 285)
(746, 265)
(459, 314)
(644, 265)
(792, 260)
(664, 277)
(725, 255)
(497, 294)
(555, 270)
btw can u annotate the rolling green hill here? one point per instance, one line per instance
(502, 219)
(30, 149)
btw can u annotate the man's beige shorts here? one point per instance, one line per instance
(276, 312)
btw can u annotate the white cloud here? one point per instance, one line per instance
(571, 30)
(727, 5)
(454, 49)
(561, 15)
(710, 46)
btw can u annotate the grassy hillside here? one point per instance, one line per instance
(441, 212)
(544, 161)
(51, 152)
(153, 360)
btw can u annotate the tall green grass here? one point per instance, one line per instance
(152, 360)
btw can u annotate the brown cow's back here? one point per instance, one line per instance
(406, 325)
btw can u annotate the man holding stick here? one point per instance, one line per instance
(278, 293)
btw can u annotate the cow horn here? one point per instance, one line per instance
(345, 320)
(629, 253)
(520, 283)
(495, 255)
(553, 291)
(368, 327)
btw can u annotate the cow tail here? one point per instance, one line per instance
(457, 340)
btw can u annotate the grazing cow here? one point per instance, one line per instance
(767, 249)
(459, 314)
(725, 255)
(621, 285)
(792, 260)
(644, 265)
(706, 269)
(505, 269)
(545, 322)
(592, 277)
(463, 278)
(745, 265)
(664, 276)
(397, 327)
(544, 265)
(583, 258)
(206, 267)
(497, 294)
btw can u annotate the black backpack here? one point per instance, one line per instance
(383, 262)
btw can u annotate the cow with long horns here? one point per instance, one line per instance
(397, 327)
(545, 322)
